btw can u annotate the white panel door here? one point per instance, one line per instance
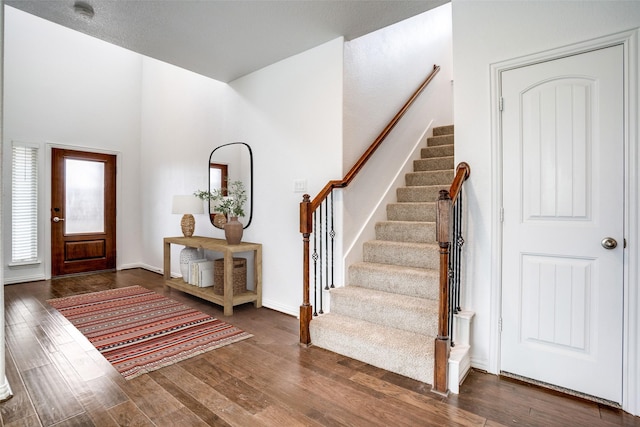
(563, 193)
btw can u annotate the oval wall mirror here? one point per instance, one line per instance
(228, 164)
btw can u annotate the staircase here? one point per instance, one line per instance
(387, 315)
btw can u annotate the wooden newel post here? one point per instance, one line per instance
(443, 342)
(306, 226)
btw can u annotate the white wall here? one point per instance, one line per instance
(183, 120)
(62, 88)
(488, 32)
(291, 115)
(382, 70)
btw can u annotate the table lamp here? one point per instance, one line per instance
(187, 205)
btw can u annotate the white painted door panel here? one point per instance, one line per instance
(563, 192)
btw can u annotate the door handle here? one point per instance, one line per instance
(609, 243)
(57, 219)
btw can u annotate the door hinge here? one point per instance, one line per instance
(500, 324)
(501, 104)
(501, 214)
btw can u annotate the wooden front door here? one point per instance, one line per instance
(83, 212)
(563, 183)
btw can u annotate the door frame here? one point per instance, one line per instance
(631, 293)
(46, 210)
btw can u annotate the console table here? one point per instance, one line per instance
(227, 299)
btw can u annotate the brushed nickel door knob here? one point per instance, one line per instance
(609, 243)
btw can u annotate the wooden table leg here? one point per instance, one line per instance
(167, 261)
(228, 284)
(257, 276)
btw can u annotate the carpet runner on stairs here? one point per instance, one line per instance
(387, 314)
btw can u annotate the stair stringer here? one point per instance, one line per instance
(353, 251)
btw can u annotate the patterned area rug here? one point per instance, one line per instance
(139, 331)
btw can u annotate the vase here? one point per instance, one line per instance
(233, 230)
(187, 254)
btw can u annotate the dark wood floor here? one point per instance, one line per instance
(59, 379)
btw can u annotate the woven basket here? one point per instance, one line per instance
(239, 276)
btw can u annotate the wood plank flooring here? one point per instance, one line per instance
(59, 379)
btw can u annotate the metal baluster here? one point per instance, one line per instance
(453, 273)
(333, 235)
(315, 267)
(451, 296)
(454, 259)
(459, 244)
(326, 243)
(321, 255)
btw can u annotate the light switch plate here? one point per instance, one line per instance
(299, 185)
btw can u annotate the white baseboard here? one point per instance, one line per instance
(274, 305)
(144, 266)
(25, 279)
(481, 364)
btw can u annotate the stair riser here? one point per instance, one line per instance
(411, 212)
(403, 281)
(440, 151)
(435, 141)
(429, 178)
(418, 232)
(435, 164)
(415, 362)
(421, 257)
(414, 318)
(429, 193)
(443, 130)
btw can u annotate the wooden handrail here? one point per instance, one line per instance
(374, 145)
(308, 206)
(462, 173)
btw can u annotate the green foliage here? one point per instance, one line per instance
(230, 205)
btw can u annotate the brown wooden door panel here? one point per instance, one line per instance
(83, 227)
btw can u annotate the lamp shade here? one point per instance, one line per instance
(187, 204)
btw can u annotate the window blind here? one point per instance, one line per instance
(24, 204)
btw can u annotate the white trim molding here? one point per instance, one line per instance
(631, 306)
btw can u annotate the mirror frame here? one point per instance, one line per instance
(250, 187)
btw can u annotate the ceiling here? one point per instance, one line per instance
(225, 39)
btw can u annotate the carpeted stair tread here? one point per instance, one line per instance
(419, 315)
(438, 151)
(429, 178)
(421, 255)
(433, 164)
(411, 281)
(420, 193)
(434, 141)
(406, 231)
(412, 211)
(395, 350)
(443, 130)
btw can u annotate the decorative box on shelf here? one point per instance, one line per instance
(239, 276)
